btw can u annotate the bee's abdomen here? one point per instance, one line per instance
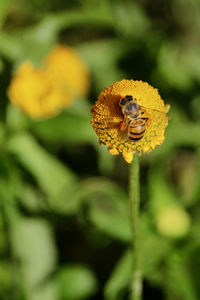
(137, 130)
(136, 136)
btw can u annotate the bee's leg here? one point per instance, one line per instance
(149, 122)
(122, 126)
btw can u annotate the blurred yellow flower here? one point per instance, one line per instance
(42, 92)
(173, 221)
(68, 71)
(32, 90)
(107, 117)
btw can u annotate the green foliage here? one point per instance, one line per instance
(64, 128)
(72, 276)
(34, 247)
(4, 7)
(55, 179)
(120, 277)
(108, 208)
(64, 215)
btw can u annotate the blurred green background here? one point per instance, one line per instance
(64, 223)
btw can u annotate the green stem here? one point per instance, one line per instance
(134, 202)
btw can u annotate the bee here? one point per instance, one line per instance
(134, 120)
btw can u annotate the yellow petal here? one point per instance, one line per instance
(128, 156)
(113, 151)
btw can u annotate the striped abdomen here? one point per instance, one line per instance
(137, 128)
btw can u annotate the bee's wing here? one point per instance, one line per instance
(146, 109)
(155, 115)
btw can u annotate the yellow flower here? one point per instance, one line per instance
(68, 70)
(107, 117)
(43, 92)
(34, 92)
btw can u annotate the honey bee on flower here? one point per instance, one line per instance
(136, 118)
(130, 116)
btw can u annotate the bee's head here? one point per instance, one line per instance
(131, 108)
(123, 101)
(129, 105)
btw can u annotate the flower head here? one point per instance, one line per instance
(34, 92)
(68, 70)
(42, 92)
(108, 117)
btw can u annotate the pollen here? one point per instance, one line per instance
(107, 117)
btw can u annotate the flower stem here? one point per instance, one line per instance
(134, 202)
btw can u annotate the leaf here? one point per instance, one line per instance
(33, 245)
(31, 198)
(179, 282)
(160, 193)
(120, 277)
(67, 19)
(11, 46)
(19, 45)
(4, 6)
(67, 127)
(196, 190)
(177, 135)
(16, 120)
(5, 277)
(107, 207)
(3, 241)
(76, 282)
(169, 216)
(1, 65)
(102, 56)
(160, 249)
(105, 160)
(55, 179)
(171, 66)
(130, 19)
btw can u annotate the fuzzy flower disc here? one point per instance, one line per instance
(107, 116)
